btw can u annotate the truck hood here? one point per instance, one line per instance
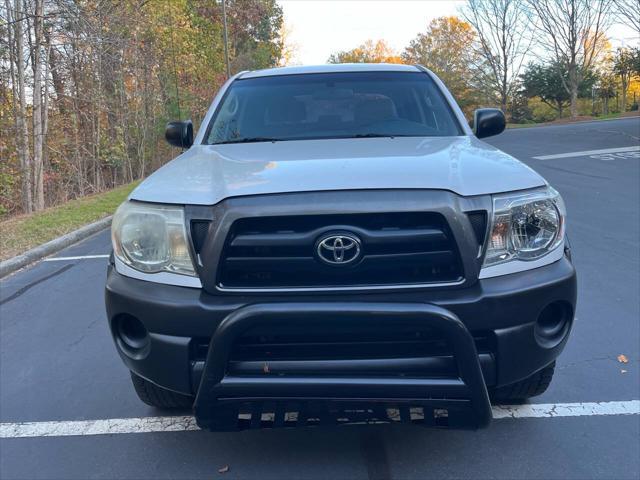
(207, 174)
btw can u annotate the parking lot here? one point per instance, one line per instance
(58, 364)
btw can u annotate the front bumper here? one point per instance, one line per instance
(505, 309)
(223, 394)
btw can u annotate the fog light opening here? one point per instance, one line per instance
(553, 324)
(132, 336)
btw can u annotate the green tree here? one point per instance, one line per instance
(606, 88)
(626, 64)
(546, 83)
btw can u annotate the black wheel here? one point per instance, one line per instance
(159, 397)
(531, 386)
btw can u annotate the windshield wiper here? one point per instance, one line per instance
(372, 135)
(248, 140)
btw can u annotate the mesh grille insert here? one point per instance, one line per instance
(199, 230)
(479, 224)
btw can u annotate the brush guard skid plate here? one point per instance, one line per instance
(227, 402)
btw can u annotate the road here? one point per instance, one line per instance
(58, 362)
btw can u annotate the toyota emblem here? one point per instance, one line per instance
(339, 249)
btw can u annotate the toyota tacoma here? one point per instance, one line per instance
(336, 245)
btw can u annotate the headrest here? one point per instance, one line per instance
(286, 110)
(374, 109)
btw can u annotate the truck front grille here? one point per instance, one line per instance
(396, 248)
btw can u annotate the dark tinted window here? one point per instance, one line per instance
(332, 105)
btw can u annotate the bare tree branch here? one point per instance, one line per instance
(628, 13)
(574, 31)
(501, 26)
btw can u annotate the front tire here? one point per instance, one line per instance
(158, 397)
(531, 386)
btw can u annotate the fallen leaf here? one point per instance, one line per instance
(623, 358)
(265, 368)
(224, 469)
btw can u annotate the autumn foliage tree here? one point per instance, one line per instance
(368, 52)
(447, 48)
(626, 65)
(86, 86)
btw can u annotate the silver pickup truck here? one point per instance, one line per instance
(336, 245)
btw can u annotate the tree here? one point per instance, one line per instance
(254, 31)
(87, 86)
(368, 52)
(546, 83)
(288, 49)
(628, 13)
(519, 109)
(606, 88)
(447, 48)
(574, 32)
(39, 113)
(501, 27)
(626, 64)
(15, 21)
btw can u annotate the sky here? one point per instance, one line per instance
(320, 28)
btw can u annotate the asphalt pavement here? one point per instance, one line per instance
(58, 363)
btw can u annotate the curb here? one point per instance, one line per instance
(552, 124)
(53, 246)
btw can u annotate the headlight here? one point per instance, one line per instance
(151, 238)
(525, 226)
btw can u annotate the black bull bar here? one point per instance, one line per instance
(227, 401)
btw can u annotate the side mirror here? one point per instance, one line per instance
(179, 134)
(488, 122)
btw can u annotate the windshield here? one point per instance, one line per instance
(332, 105)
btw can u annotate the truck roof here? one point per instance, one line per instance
(331, 68)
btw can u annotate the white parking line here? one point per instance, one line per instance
(81, 257)
(98, 427)
(552, 410)
(585, 153)
(187, 423)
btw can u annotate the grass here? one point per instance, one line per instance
(19, 234)
(614, 115)
(566, 120)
